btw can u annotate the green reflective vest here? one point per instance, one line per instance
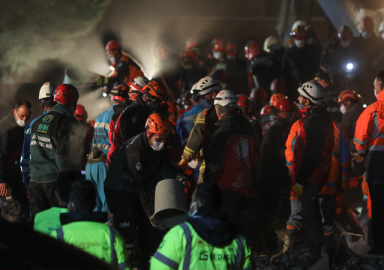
(48, 220)
(96, 238)
(183, 248)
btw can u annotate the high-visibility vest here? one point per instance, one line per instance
(183, 248)
(96, 238)
(49, 220)
(339, 176)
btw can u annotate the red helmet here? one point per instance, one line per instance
(278, 86)
(275, 98)
(81, 113)
(66, 94)
(192, 54)
(345, 33)
(191, 43)
(284, 105)
(113, 45)
(217, 45)
(299, 33)
(172, 107)
(243, 101)
(258, 94)
(366, 23)
(266, 110)
(252, 48)
(347, 94)
(155, 90)
(231, 50)
(120, 92)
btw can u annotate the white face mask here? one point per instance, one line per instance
(345, 43)
(218, 55)
(158, 146)
(374, 91)
(343, 109)
(299, 43)
(20, 122)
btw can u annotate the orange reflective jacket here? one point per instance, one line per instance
(341, 160)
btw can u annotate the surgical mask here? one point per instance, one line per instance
(343, 109)
(204, 103)
(345, 43)
(158, 146)
(218, 55)
(20, 122)
(299, 43)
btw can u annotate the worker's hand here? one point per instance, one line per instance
(299, 189)
(183, 164)
(157, 225)
(3, 189)
(101, 81)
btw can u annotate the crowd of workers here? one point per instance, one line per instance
(280, 138)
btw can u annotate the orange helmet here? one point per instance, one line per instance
(157, 124)
(278, 86)
(275, 98)
(155, 90)
(231, 50)
(172, 107)
(113, 45)
(347, 94)
(120, 92)
(284, 104)
(81, 113)
(243, 101)
(252, 48)
(217, 45)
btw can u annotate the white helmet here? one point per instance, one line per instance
(226, 98)
(271, 40)
(207, 85)
(298, 23)
(47, 90)
(138, 83)
(312, 91)
(381, 28)
(193, 89)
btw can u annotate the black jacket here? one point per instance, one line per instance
(11, 144)
(348, 121)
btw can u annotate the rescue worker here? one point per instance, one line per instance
(259, 98)
(369, 130)
(132, 120)
(87, 230)
(264, 67)
(123, 67)
(331, 96)
(130, 184)
(278, 86)
(205, 124)
(300, 63)
(53, 148)
(46, 94)
(207, 240)
(96, 168)
(192, 68)
(186, 120)
(217, 53)
(313, 147)
(136, 88)
(267, 114)
(13, 197)
(273, 173)
(273, 46)
(84, 133)
(245, 105)
(275, 98)
(48, 221)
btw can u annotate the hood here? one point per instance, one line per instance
(83, 215)
(213, 226)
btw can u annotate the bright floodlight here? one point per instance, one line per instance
(111, 68)
(349, 66)
(105, 94)
(365, 106)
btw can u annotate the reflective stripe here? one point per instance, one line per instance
(364, 151)
(240, 248)
(189, 151)
(360, 142)
(188, 247)
(293, 144)
(288, 163)
(200, 121)
(376, 148)
(102, 125)
(122, 265)
(188, 118)
(60, 234)
(102, 146)
(165, 260)
(112, 234)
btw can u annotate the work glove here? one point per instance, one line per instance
(299, 189)
(159, 226)
(183, 164)
(101, 81)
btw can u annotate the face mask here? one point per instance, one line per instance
(217, 55)
(20, 122)
(204, 103)
(374, 91)
(112, 59)
(158, 146)
(345, 43)
(343, 109)
(300, 43)
(301, 106)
